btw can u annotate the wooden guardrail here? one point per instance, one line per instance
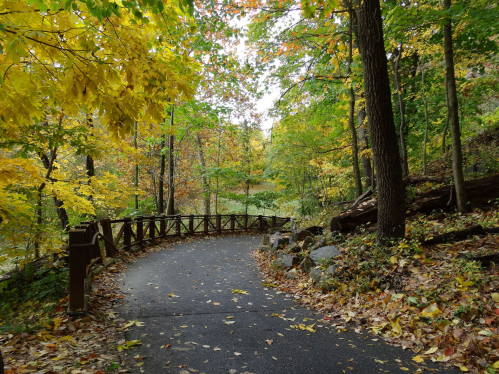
(122, 234)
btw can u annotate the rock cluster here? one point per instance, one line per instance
(302, 251)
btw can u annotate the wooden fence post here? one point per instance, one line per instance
(205, 221)
(127, 233)
(140, 229)
(219, 223)
(260, 223)
(162, 225)
(152, 227)
(232, 222)
(107, 232)
(191, 224)
(274, 222)
(178, 221)
(77, 269)
(245, 222)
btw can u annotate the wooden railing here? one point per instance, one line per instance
(122, 234)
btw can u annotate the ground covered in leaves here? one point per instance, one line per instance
(430, 299)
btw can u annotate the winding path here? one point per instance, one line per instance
(184, 297)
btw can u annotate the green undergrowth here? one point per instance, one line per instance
(29, 296)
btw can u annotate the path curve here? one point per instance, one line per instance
(184, 297)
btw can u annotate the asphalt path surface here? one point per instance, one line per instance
(193, 318)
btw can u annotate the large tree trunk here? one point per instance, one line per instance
(391, 209)
(398, 87)
(170, 209)
(1, 363)
(351, 121)
(204, 178)
(457, 157)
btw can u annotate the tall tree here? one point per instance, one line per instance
(391, 207)
(453, 108)
(170, 208)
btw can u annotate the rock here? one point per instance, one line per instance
(307, 243)
(323, 242)
(300, 235)
(315, 230)
(279, 243)
(277, 262)
(266, 240)
(316, 275)
(279, 254)
(291, 275)
(324, 254)
(331, 270)
(265, 248)
(292, 248)
(306, 265)
(289, 260)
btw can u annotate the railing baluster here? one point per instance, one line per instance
(232, 222)
(205, 221)
(245, 222)
(162, 225)
(219, 223)
(178, 221)
(152, 227)
(127, 233)
(140, 229)
(107, 232)
(260, 223)
(191, 224)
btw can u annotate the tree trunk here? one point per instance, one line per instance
(247, 156)
(444, 133)
(90, 167)
(161, 183)
(351, 122)
(135, 133)
(204, 178)
(391, 209)
(218, 166)
(61, 211)
(170, 209)
(365, 161)
(1, 363)
(457, 157)
(398, 87)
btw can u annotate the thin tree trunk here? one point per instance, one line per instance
(61, 211)
(161, 187)
(89, 162)
(457, 157)
(204, 178)
(398, 87)
(135, 133)
(425, 115)
(247, 150)
(218, 166)
(351, 122)
(364, 146)
(391, 213)
(170, 210)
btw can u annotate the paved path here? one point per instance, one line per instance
(184, 298)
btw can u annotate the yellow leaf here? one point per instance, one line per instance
(404, 368)
(496, 365)
(431, 350)
(418, 359)
(464, 368)
(393, 260)
(495, 297)
(396, 328)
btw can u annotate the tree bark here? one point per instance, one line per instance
(398, 87)
(170, 209)
(1, 363)
(453, 108)
(391, 209)
(351, 122)
(204, 178)
(218, 166)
